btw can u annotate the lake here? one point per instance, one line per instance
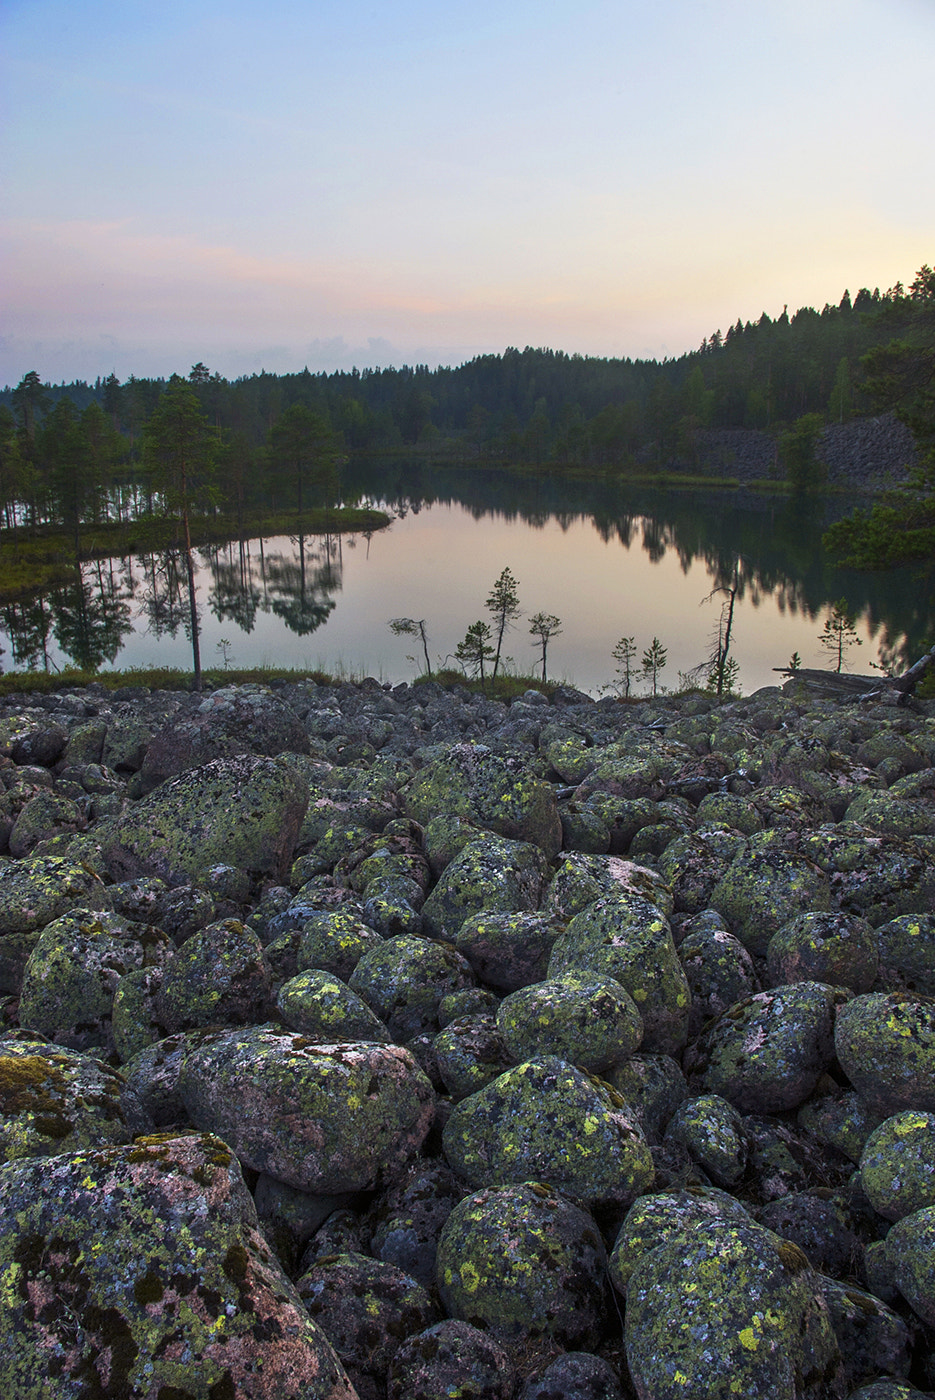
(608, 560)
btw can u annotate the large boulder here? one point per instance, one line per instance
(493, 875)
(243, 811)
(34, 892)
(886, 1046)
(138, 1271)
(323, 1118)
(236, 719)
(548, 1120)
(500, 794)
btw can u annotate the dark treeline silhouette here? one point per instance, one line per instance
(71, 452)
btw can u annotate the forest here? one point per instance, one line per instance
(86, 453)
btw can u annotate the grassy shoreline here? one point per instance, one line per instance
(45, 558)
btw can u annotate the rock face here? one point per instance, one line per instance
(423, 1003)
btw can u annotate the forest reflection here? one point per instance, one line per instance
(762, 547)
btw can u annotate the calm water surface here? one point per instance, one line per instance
(608, 562)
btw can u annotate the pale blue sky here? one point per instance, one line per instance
(336, 183)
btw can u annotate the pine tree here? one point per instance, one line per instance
(544, 626)
(503, 603)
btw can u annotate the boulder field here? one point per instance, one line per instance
(403, 1044)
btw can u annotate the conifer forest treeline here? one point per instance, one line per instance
(86, 451)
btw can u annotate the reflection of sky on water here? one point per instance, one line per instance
(441, 563)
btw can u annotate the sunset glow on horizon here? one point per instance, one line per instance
(335, 184)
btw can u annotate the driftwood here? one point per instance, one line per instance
(839, 685)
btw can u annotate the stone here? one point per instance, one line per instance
(132, 1270)
(885, 1043)
(548, 1120)
(321, 1007)
(897, 1164)
(493, 875)
(521, 1262)
(323, 1118)
(218, 977)
(403, 981)
(244, 811)
(449, 1357)
(583, 1017)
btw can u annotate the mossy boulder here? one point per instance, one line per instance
(134, 1020)
(218, 977)
(906, 949)
(470, 1052)
(449, 1359)
(45, 815)
(232, 720)
(885, 1043)
(693, 865)
(831, 947)
(32, 737)
(33, 893)
(508, 949)
(323, 1118)
(580, 879)
(323, 1008)
(711, 1131)
(719, 970)
(653, 1086)
(366, 1308)
(334, 940)
(522, 1262)
(55, 1100)
(492, 874)
(910, 1249)
(138, 1269)
(547, 1119)
(767, 1053)
(728, 1310)
(500, 794)
(629, 939)
(897, 1165)
(403, 980)
(586, 1018)
(762, 889)
(243, 811)
(871, 1336)
(74, 969)
(658, 1217)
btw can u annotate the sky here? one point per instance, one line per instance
(340, 182)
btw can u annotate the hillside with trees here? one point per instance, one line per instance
(78, 452)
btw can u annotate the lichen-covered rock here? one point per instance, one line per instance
(766, 1054)
(693, 865)
(763, 888)
(580, 879)
(450, 1359)
(583, 1017)
(508, 949)
(33, 893)
(134, 1021)
(836, 948)
(403, 980)
(470, 1052)
(366, 1308)
(218, 977)
(871, 1337)
(498, 793)
(629, 939)
(875, 875)
(323, 1008)
(493, 875)
(522, 1262)
(407, 1218)
(45, 815)
(820, 1223)
(653, 1086)
(719, 970)
(129, 734)
(840, 1118)
(324, 1118)
(887, 1390)
(334, 940)
(55, 1100)
(897, 1165)
(885, 1043)
(895, 816)
(72, 975)
(138, 1271)
(233, 720)
(153, 1076)
(711, 1131)
(549, 1120)
(32, 736)
(727, 1310)
(578, 1375)
(655, 1218)
(244, 811)
(728, 809)
(906, 948)
(910, 1251)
